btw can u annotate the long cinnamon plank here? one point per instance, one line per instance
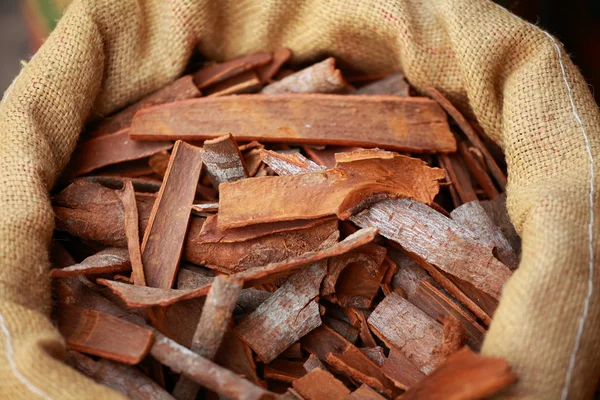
(103, 335)
(410, 124)
(111, 149)
(165, 233)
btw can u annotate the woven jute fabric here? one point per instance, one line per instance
(515, 79)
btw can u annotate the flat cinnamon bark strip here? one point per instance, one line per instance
(421, 344)
(136, 296)
(351, 185)
(219, 72)
(473, 217)
(459, 177)
(103, 335)
(332, 348)
(111, 149)
(438, 240)
(321, 77)
(165, 234)
(246, 82)
(181, 89)
(286, 316)
(465, 375)
(280, 57)
(132, 233)
(211, 233)
(223, 160)
(288, 164)
(393, 84)
(478, 172)
(400, 370)
(411, 124)
(125, 379)
(204, 372)
(470, 133)
(110, 260)
(320, 384)
(216, 314)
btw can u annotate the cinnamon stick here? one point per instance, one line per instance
(223, 160)
(132, 233)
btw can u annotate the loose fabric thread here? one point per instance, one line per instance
(588, 298)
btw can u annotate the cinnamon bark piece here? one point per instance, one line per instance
(470, 133)
(142, 184)
(320, 384)
(136, 296)
(177, 321)
(400, 370)
(439, 240)
(123, 378)
(206, 207)
(343, 328)
(253, 161)
(421, 344)
(216, 315)
(111, 149)
(375, 354)
(103, 335)
(313, 362)
(286, 316)
(473, 217)
(459, 177)
(496, 210)
(350, 186)
(411, 124)
(465, 375)
(332, 348)
(280, 57)
(409, 274)
(321, 77)
(294, 352)
(223, 160)
(159, 162)
(364, 392)
(204, 372)
(393, 84)
(237, 357)
(219, 72)
(246, 82)
(110, 260)
(211, 233)
(132, 233)
(478, 171)
(326, 157)
(181, 89)
(127, 169)
(165, 234)
(284, 370)
(288, 164)
(455, 336)
(436, 304)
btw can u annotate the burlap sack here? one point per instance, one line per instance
(517, 81)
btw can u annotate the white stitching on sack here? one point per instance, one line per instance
(588, 298)
(13, 364)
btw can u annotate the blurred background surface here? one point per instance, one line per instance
(25, 23)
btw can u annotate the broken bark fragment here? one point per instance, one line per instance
(421, 344)
(320, 384)
(473, 217)
(159, 162)
(215, 318)
(313, 362)
(466, 376)
(132, 233)
(461, 181)
(236, 356)
(288, 164)
(123, 378)
(343, 328)
(478, 171)
(439, 240)
(364, 392)
(111, 149)
(219, 72)
(181, 89)
(110, 260)
(496, 209)
(223, 160)
(103, 335)
(321, 77)
(393, 84)
(326, 157)
(165, 234)
(284, 370)
(280, 57)
(410, 124)
(470, 133)
(246, 82)
(286, 316)
(375, 354)
(351, 186)
(400, 370)
(206, 208)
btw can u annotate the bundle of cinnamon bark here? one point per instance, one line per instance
(255, 230)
